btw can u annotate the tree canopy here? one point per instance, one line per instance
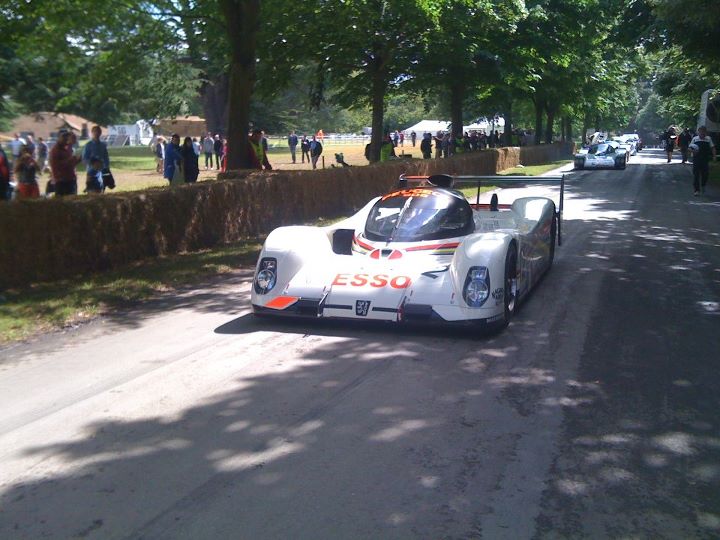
(345, 64)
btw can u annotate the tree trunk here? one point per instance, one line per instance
(214, 98)
(550, 125)
(586, 121)
(569, 137)
(457, 94)
(507, 133)
(539, 111)
(241, 25)
(378, 116)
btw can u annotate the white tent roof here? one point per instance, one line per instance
(428, 126)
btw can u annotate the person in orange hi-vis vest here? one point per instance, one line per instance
(320, 135)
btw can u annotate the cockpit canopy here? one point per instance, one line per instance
(411, 215)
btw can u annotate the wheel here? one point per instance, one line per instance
(510, 285)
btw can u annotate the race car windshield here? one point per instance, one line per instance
(600, 149)
(419, 214)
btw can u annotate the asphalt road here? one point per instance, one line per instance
(594, 415)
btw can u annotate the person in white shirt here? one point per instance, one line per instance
(16, 145)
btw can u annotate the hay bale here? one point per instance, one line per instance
(59, 238)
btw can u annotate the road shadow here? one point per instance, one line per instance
(394, 433)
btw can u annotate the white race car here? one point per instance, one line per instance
(422, 253)
(606, 154)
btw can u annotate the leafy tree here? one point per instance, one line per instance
(363, 49)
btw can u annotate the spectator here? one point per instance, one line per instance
(668, 137)
(42, 154)
(190, 166)
(4, 176)
(496, 139)
(257, 153)
(96, 148)
(196, 147)
(16, 146)
(26, 169)
(438, 144)
(396, 138)
(218, 149)
(446, 145)
(320, 135)
(159, 152)
(223, 166)
(413, 137)
(172, 171)
(387, 148)
(315, 151)
(94, 176)
(292, 143)
(31, 146)
(62, 165)
(305, 148)
(703, 149)
(402, 138)
(684, 140)
(426, 146)
(208, 145)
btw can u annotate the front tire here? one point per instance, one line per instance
(510, 300)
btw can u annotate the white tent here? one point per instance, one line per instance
(427, 126)
(483, 124)
(139, 133)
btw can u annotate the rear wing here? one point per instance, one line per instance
(452, 181)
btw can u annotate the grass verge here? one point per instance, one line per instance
(49, 306)
(530, 170)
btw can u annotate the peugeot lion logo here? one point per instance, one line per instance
(362, 307)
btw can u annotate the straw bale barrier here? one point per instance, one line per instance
(59, 238)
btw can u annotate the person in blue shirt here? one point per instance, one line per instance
(94, 180)
(95, 148)
(173, 158)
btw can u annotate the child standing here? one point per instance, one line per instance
(94, 180)
(26, 170)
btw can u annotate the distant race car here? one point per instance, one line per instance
(629, 144)
(419, 254)
(603, 155)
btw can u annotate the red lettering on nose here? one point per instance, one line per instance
(400, 282)
(379, 280)
(340, 279)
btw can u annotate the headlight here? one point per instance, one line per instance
(477, 286)
(266, 276)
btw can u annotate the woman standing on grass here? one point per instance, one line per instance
(26, 170)
(173, 161)
(190, 165)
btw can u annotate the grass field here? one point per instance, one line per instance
(134, 166)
